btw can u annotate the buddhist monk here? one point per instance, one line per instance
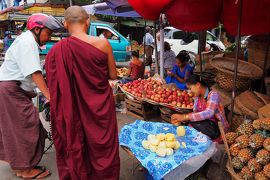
(83, 116)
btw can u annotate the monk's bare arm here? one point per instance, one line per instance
(40, 82)
(111, 61)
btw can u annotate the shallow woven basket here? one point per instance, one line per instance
(246, 71)
(263, 97)
(251, 101)
(257, 46)
(245, 110)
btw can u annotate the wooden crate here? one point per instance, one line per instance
(139, 109)
(165, 114)
(119, 97)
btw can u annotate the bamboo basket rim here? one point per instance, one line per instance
(221, 64)
(232, 172)
(250, 98)
(263, 97)
(245, 110)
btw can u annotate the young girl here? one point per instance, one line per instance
(136, 68)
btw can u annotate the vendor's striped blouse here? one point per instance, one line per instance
(214, 108)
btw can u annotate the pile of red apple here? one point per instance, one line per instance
(156, 91)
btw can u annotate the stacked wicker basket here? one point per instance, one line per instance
(248, 103)
(246, 72)
(257, 47)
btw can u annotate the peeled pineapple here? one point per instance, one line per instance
(161, 152)
(154, 141)
(153, 148)
(161, 136)
(169, 151)
(184, 144)
(145, 144)
(181, 131)
(177, 145)
(170, 144)
(162, 144)
(170, 137)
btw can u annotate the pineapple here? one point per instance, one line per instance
(257, 124)
(262, 124)
(237, 164)
(234, 149)
(260, 176)
(231, 136)
(266, 170)
(254, 166)
(266, 124)
(245, 129)
(256, 141)
(242, 141)
(266, 144)
(245, 155)
(263, 157)
(246, 173)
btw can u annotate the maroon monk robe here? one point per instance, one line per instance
(83, 116)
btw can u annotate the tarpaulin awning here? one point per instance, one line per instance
(197, 15)
(137, 23)
(108, 8)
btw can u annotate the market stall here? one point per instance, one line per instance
(166, 151)
(237, 19)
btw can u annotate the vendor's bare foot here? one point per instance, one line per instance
(35, 173)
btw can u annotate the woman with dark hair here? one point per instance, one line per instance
(136, 68)
(208, 109)
(181, 71)
(169, 58)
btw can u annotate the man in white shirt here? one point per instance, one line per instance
(22, 136)
(148, 40)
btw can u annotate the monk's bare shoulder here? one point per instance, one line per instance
(100, 43)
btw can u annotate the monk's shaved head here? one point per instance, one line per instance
(76, 14)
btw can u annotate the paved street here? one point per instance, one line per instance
(48, 159)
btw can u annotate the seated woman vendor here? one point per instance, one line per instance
(181, 71)
(136, 68)
(208, 109)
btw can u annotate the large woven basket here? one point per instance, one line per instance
(246, 72)
(225, 81)
(257, 46)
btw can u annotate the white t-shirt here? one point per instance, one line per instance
(21, 60)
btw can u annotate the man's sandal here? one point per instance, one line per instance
(42, 174)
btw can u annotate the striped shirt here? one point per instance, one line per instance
(213, 109)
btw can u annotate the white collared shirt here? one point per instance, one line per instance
(21, 61)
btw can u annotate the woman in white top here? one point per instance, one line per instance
(169, 58)
(22, 136)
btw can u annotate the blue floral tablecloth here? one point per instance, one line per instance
(132, 135)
